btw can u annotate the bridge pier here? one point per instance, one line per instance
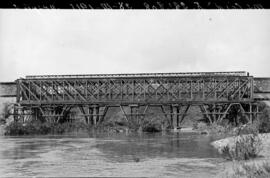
(251, 111)
(95, 113)
(215, 112)
(134, 115)
(51, 113)
(22, 113)
(177, 114)
(15, 112)
(254, 111)
(219, 111)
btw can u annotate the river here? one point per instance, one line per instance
(132, 155)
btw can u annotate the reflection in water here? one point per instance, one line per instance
(173, 154)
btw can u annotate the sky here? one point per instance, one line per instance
(39, 42)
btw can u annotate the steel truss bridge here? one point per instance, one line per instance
(216, 93)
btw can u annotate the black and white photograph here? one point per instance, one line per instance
(181, 93)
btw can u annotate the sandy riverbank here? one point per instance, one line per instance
(230, 166)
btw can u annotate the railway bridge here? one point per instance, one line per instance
(52, 97)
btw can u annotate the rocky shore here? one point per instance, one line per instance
(230, 141)
(232, 167)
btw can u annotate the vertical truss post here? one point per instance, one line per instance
(130, 113)
(98, 116)
(203, 89)
(138, 117)
(123, 111)
(42, 112)
(134, 109)
(102, 116)
(171, 115)
(122, 89)
(15, 112)
(206, 114)
(213, 112)
(183, 114)
(251, 79)
(215, 89)
(61, 113)
(83, 112)
(95, 114)
(245, 110)
(257, 111)
(133, 90)
(168, 117)
(21, 114)
(239, 90)
(52, 116)
(36, 113)
(178, 108)
(142, 116)
(224, 114)
(63, 90)
(191, 90)
(18, 91)
(250, 113)
(174, 116)
(90, 115)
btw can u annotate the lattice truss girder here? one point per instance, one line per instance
(136, 90)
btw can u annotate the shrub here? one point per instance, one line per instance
(214, 128)
(38, 127)
(199, 125)
(245, 147)
(14, 128)
(5, 113)
(264, 121)
(151, 128)
(249, 128)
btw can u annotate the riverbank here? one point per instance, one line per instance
(236, 168)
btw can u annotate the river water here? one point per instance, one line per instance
(132, 155)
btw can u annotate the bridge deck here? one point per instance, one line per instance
(140, 75)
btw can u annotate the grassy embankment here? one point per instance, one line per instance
(248, 151)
